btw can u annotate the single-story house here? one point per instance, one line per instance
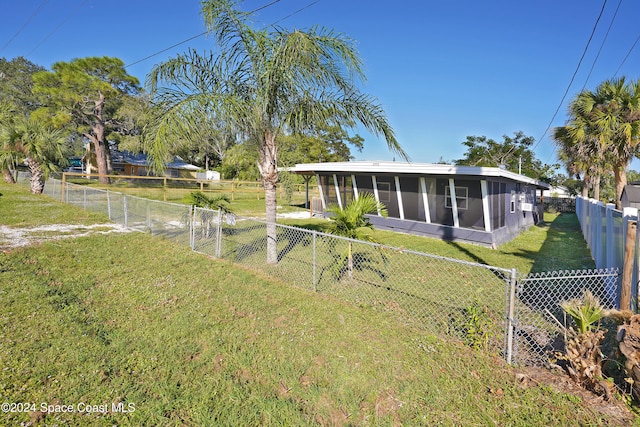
(127, 163)
(559, 191)
(487, 206)
(208, 176)
(630, 197)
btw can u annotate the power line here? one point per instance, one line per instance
(572, 77)
(192, 37)
(627, 56)
(601, 46)
(33, 15)
(205, 32)
(166, 49)
(263, 7)
(64, 21)
(296, 12)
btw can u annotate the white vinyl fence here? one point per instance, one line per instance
(605, 230)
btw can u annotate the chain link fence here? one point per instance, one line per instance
(483, 306)
(539, 320)
(466, 300)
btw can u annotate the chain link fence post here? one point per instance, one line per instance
(511, 309)
(219, 234)
(108, 205)
(192, 227)
(315, 282)
(126, 213)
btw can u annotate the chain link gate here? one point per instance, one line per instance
(538, 314)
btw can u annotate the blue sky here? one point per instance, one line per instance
(442, 70)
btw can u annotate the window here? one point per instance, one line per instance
(462, 197)
(512, 205)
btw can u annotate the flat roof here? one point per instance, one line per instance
(411, 168)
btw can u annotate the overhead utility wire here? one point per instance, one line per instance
(572, 77)
(166, 49)
(64, 21)
(193, 37)
(627, 56)
(601, 46)
(33, 15)
(297, 11)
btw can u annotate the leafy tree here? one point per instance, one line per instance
(607, 121)
(87, 93)
(633, 175)
(240, 162)
(351, 221)
(38, 144)
(512, 153)
(578, 153)
(328, 145)
(265, 83)
(128, 123)
(16, 83)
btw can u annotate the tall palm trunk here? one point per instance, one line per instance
(268, 165)
(272, 239)
(596, 187)
(620, 175)
(37, 175)
(585, 186)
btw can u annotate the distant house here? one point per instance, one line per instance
(630, 197)
(208, 176)
(559, 191)
(127, 163)
(488, 206)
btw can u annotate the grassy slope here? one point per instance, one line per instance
(194, 341)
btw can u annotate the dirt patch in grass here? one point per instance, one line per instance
(615, 410)
(15, 237)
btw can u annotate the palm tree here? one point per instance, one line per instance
(265, 83)
(610, 115)
(8, 155)
(351, 221)
(581, 157)
(40, 146)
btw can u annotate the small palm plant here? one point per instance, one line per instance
(351, 222)
(214, 202)
(585, 311)
(583, 344)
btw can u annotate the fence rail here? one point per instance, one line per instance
(484, 306)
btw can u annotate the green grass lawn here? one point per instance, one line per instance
(139, 323)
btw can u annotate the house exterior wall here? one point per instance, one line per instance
(506, 201)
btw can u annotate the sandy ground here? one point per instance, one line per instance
(14, 237)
